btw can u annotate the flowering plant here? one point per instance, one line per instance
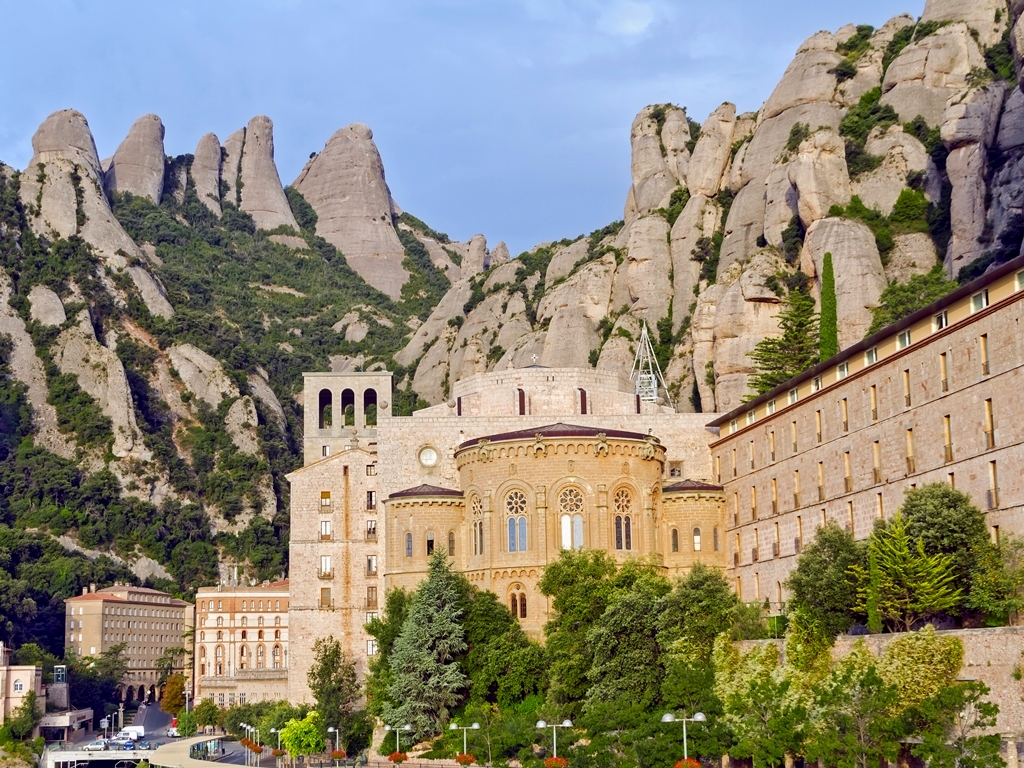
(398, 757)
(555, 762)
(465, 759)
(687, 762)
(278, 752)
(256, 748)
(338, 754)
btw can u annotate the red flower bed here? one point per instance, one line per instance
(398, 757)
(338, 754)
(465, 759)
(257, 749)
(555, 762)
(278, 752)
(688, 762)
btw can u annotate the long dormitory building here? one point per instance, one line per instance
(936, 397)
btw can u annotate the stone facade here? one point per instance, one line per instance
(241, 650)
(437, 487)
(933, 398)
(16, 682)
(147, 621)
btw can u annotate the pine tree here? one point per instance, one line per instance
(424, 661)
(829, 341)
(780, 359)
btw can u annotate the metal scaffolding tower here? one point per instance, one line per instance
(646, 373)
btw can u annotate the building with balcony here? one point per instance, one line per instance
(241, 645)
(152, 625)
(935, 397)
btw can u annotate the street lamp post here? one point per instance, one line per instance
(398, 744)
(698, 717)
(120, 716)
(337, 733)
(464, 728)
(554, 732)
(278, 732)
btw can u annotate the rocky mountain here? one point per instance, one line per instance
(156, 312)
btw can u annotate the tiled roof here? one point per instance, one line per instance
(557, 430)
(690, 485)
(425, 490)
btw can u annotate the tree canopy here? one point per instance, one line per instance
(779, 359)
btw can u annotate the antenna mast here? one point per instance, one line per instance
(646, 373)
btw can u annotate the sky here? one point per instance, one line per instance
(509, 118)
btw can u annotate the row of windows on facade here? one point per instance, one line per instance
(220, 700)
(120, 637)
(371, 497)
(877, 477)
(123, 624)
(247, 605)
(327, 572)
(142, 612)
(243, 622)
(278, 658)
(987, 422)
(521, 403)
(244, 635)
(327, 530)
(325, 411)
(903, 340)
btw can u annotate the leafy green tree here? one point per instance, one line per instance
(428, 678)
(829, 338)
(23, 720)
(623, 645)
(997, 581)
(206, 712)
(187, 726)
(910, 584)
(853, 724)
(779, 359)
(955, 727)
(698, 608)
(173, 699)
(920, 664)
(899, 300)
(385, 628)
(305, 736)
(335, 687)
(512, 669)
(579, 583)
(766, 721)
(946, 522)
(820, 585)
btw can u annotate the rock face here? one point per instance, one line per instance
(101, 374)
(240, 422)
(206, 172)
(63, 147)
(138, 164)
(262, 194)
(807, 79)
(711, 153)
(820, 176)
(232, 166)
(987, 17)
(652, 179)
(928, 72)
(46, 306)
(345, 185)
(201, 374)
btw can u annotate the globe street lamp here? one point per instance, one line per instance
(464, 728)
(336, 733)
(698, 717)
(278, 732)
(398, 745)
(554, 732)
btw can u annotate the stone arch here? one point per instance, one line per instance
(370, 407)
(325, 406)
(348, 408)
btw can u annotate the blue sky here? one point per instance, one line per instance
(506, 117)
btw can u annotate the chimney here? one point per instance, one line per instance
(85, 590)
(92, 588)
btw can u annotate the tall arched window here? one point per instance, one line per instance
(623, 519)
(277, 605)
(515, 604)
(325, 419)
(277, 621)
(370, 408)
(451, 543)
(521, 402)
(408, 545)
(696, 539)
(522, 606)
(570, 504)
(245, 621)
(348, 407)
(583, 401)
(515, 505)
(430, 543)
(245, 605)
(220, 621)
(245, 634)
(675, 540)
(259, 621)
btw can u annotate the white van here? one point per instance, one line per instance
(133, 732)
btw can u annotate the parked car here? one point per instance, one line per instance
(99, 745)
(129, 745)
(172, 733)
(143, 744)
(119, 742)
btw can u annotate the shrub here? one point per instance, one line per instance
(877, 223)
(797, 134)
(465, 759)
(858, 123)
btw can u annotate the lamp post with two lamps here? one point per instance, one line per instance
(554, 732)
(698, 717)
(398, 743)
(464, 728)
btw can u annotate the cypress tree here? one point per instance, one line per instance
(780, 359)
(829, 338)
(428, 678)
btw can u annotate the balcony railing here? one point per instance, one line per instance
(794, 446)
(772, 455)
(325, 575)
(325, 536)
(327, 605)
(371, 602)
(818, 434)
(371, 572)
(735, 518)
(371, 535)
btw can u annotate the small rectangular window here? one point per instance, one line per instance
(816, 384)
(733, 426)
(371, 529)
(871, 356)
(371, 564)
(842, 370)
(371, 470)
(371, 647)
(979, 300)
(371, 499)
(903, 340)
(1020, 280)
(325, 498)
(325, 451)
(325, 530)
(770, 407)
(750, 417)
(794, 395)
(940, 321)
(325, 565)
